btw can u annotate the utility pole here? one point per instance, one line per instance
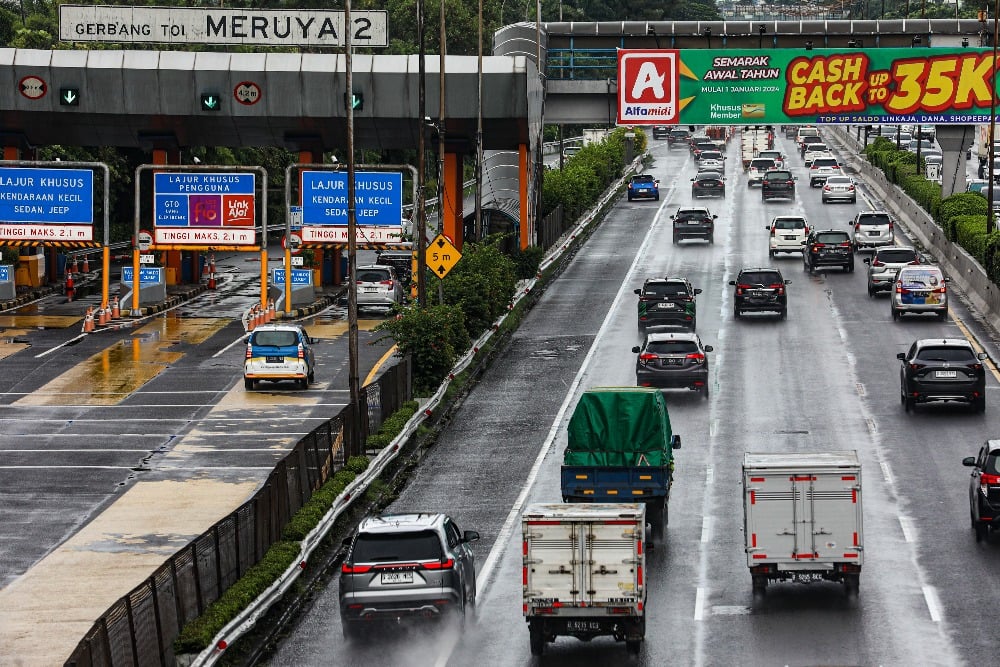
(421, 163)
(353, 380)
(480, 232)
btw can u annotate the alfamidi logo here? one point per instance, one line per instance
(648, 84)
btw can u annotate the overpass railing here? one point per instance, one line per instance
(582, 64)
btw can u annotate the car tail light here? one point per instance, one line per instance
(976, 366)
(439, 565)
(914, 366)
(877, 262)
(249, 351)
(302, 352)
(826, 188)
(780, 287)
(940, 290)
(850, 188)
(807, 231)
(817, 246)
(845, 244)
(740, 288)
(836, 166)
(789, 182)
(986, 480)
(355, 569)
(648, 356)
(387, 283)
(890, 226)
(900, 289)
(697, 357)
(773, 230)
(857, 227)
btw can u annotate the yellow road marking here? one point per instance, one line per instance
(39, 321)
(976, 346)
(335, 329)
(378, 365)
(10, 349)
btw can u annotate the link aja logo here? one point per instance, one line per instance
(648, 82)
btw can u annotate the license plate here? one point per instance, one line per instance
(788, 238)
(583, 626)
(275, 360)
(674, 362)
(693, 222)
(668, 305)
(397, 577)
(945, 374)
(371, 289)
(875, 233)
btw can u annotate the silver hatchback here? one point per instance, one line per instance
(872, 229)
(885, 263)
(378, 287)
(403, 566)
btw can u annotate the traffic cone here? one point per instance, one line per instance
(274, 311)
(251, 324)
(88, 321)
(69, 286)
(86, 264)
(211, 271)
(268, 312)
(104, 316)
(115, 309)
(75, 269)
(260, 315)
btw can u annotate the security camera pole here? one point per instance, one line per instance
(354, 383)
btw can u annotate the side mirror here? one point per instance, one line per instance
(313, 340)
(969, 461)
(867, 260)
(709, 348)
(788, 282)
(767, 228)
(637, 291)
(470, 536)
(697, 291)
(901, 356)
(692, 180)
(675, 442)
(346, 541)
(732, 282)
(982, 356)
(714, 217)
(635, 350)
(947, 280)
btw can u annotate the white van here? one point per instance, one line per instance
(758, 167)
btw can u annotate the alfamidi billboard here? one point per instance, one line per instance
(793, 86)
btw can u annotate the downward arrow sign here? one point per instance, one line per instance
(70, 96)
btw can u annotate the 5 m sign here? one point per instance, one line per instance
(648, 82)
(790, 86)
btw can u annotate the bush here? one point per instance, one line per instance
(482, 285)
(962, 203)
(527, 261)
(391, 427)
(970, 233)
(587, 175)
(433, 336)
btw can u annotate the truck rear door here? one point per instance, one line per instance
(613, 562)
(552, 572)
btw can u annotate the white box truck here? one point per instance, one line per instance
(802, 518)
(584, 572)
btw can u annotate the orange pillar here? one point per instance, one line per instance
(11, 153)
(452, 224)
(522, 179)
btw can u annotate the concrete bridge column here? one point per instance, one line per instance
(451, 208)
(954, 140)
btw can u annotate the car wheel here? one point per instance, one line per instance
(982, 531)
(909, 404)
(303, 383)
(536, 637)
(943, 315)
(351, 631)
(711, 238)
(630, 197)
(248, 384)
(895, 314)
(657, 198)
(736, 313)
(633, 646)
(825, 200)
(871, 292)
(979, 405)
(311, 377)
(770, 253)
(854, 200)
(704, 391)
(850, 267)
(675, 239)
(783, 314)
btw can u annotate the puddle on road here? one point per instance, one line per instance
(114, 373)
(325, 328)
(22, 321)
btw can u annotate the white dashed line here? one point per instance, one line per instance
(699, 605)
(906, 524)
(933, 604)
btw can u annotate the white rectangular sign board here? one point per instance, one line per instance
(214, 25)
(362, 234)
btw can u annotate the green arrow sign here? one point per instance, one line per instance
(209, 102)
(69, 97)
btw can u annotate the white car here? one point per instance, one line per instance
(378, 287)
(885, 263)
(788, 234)
(711, 161)
(758, 167)
(872, 229)
(840, 188)
(777, 156)
(821, 169)
(814, 151)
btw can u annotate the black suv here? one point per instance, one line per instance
(760, 291)
(401, 260)
(667, 302)
(693, 223)
(777, 184)
(984, 488)
(661, 131)
(676, 138)
(828, 247)
(942, 370)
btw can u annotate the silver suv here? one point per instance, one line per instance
(406, 566)
(885, 263)
(872, 229)
(378, 287)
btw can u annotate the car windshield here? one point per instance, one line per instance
(962, 354)
(708, 176)
(687, 214)
(832, 237)
(759, 278)
(789, 223)
(379, 548)
(817, 147)
(919, 278)
(878, 219)
(839, 180)
(774, 155)
(664, 289)
(825, 162)
(642, 179)
(897, 256)
(778, 176)
(761, 163)
(992, 466)
(711, 155)
(372, 276)
(275, 338)
(672, 347)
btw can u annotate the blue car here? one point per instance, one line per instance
(277, 352)
(643, 186)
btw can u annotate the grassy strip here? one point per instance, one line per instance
(392, 426)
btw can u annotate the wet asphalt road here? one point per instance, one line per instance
(83, 417)
(827, 378)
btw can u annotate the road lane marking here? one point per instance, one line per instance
(706, 528)
(71, 341)
(699, 604)
(975, 345)
(933, 603)
(906, 524)
(378, 365)
(886, 473)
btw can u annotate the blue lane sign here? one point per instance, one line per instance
(147, 276)
(61, 196)
(299, 277)
(4, 274)
(378, 198)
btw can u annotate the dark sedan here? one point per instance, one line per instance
(673, 361)
(942, 370)
(984, 489)
(708, 184)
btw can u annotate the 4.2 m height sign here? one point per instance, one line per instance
(791, 86)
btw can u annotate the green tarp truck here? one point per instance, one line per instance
(620, 449)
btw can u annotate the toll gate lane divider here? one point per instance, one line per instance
(243, 622)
